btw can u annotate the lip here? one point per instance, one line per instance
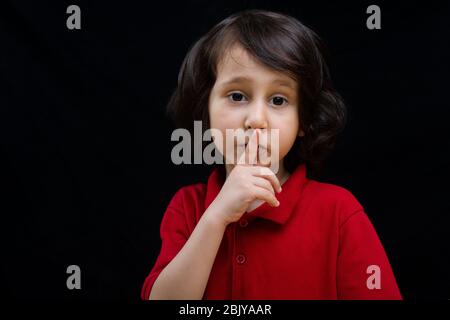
(244, 145)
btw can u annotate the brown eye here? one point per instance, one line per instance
(278, 101)
(236, 97)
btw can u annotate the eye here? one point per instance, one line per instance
(278, 101)
(236, 97)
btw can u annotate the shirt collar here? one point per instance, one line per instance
(288, 197)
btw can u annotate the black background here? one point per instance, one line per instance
(85, 145)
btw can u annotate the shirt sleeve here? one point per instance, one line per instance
(363, 268)
(174, 232)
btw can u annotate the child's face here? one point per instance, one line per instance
(258, 98)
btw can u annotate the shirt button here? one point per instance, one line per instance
(240, 258)
(243, 223)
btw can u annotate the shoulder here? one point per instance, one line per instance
(185, 208)
(187, 195)
(333, 198)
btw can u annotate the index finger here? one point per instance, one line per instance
(251, 150)
(269, 175)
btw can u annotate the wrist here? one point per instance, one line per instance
(213, 216)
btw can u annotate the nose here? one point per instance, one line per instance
(256, 117)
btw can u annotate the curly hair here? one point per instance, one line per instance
(281, 43)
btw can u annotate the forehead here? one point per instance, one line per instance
(238, 64)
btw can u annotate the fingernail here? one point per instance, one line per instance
(278, 203)
(279, 190)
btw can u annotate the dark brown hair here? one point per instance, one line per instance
(284, 44)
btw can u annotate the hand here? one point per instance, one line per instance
(245, 184)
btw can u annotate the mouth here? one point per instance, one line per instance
(244, 145)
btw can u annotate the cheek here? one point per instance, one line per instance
(222, 116)
(216, 114)
(289, 127)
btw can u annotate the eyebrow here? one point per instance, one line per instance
(241, 79)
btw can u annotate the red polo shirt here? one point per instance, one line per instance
(318, 244)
